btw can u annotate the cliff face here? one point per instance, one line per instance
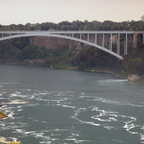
(51, 42)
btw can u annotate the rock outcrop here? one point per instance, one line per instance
(51, 42)
(133, 77)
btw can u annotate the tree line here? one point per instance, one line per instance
(79, 25)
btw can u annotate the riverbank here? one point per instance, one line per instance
(122, 75)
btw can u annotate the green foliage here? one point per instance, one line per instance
(79, 25)
(92, 57)
(136, 66)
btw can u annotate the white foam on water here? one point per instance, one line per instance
(109, 116)
(14, 95)
(109, 127)
(112, 80)
(6, 83)
(45, 142)
(135, 105)
(85, 96)
(76, 140)
(82, 93)
(30, 132)
(141, 137)
(102, 120)
(15, 102)
(68, 106)
(11, 115)
(86, 122)
(104, 113)
(58, 100)
(129, 125)
(112, 119)
(19, 130)
(20, 109)
(41, 99)
(32, 97)
(107, 101)
(60, 94)
(116, 102)
(118, 141)
(142, 127)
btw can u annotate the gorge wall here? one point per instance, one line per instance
(51, 42)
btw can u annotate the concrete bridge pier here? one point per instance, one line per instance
(135, 38)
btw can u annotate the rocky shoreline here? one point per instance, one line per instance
(131, 77)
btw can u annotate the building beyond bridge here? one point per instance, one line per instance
(142, 18)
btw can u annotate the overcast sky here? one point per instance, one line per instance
(39, 11)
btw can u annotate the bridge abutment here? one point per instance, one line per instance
(135, 38)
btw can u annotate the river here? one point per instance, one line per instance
(48, 106)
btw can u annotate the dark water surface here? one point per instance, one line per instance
(48, 106)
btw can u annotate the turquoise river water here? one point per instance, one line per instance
(48, 106)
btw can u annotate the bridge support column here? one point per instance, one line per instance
(135, 37)
(88, 37)
(135, 40)
(103, 41)
(118, 44)
(125, 45)
(95, 38)
(80, 35)
(110, 47)
(143, 38)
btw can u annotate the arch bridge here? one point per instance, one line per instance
(80, 36)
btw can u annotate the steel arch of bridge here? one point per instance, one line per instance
(5, 35)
